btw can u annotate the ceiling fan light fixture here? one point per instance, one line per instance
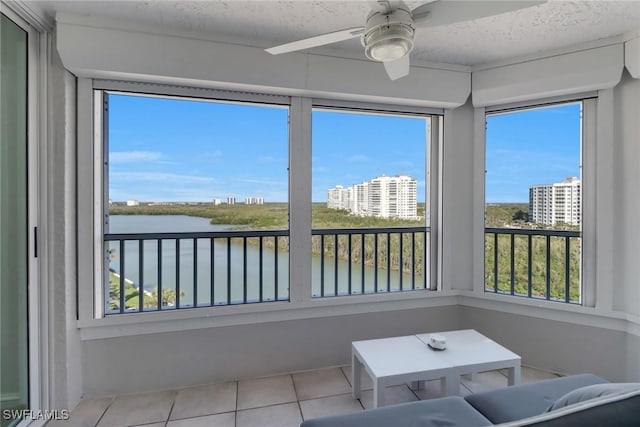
(389, 49)
(388, 37)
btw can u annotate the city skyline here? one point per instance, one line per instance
(242, 149)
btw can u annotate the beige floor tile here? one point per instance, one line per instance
(531, 375)
(219, 420)
(287, 415)
(320, 383)
(86, 413)
(393, 395)
(365, 379)
(138, 409)
(332, 405)
(431, 390)
(265, 391)
(205, 400)
(151, 425)
(485, 381)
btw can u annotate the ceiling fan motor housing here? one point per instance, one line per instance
(388, 37)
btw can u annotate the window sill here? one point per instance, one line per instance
(246, 314)
(210, 317)
(544, 309)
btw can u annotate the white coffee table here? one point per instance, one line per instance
(399, 360)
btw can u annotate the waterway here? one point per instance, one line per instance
(229, 272)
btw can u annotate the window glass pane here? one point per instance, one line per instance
(14, 354)
(178, 165)
(369, 173)
(533, 182)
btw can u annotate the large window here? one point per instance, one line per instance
(196, 202)
(370, 214)
(191, 193)
(533, 210)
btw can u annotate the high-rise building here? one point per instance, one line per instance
(254, 201)
(338, 198)
(383, 196)
(231, 200)
(360, 201)
(555, 203)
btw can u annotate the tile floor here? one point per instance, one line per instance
(278, 401)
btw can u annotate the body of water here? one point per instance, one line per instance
(226, 265)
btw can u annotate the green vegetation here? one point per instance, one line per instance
(131, 293)
(501, 214)
(515, 215)
(270, 216)
(557, 261)
(273, 216)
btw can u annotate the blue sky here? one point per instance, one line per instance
(525, 148)
(182, 150)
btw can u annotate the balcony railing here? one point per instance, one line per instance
(168, 271)
(164, 271)
(369, 260)
(541, 264)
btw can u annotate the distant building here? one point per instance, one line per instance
(216, 202)
(560, 202)
(360, 201)
(231, 200)
(254, 201)
(383, 197)
(133, 203)
(338, 198)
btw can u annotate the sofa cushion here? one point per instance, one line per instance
(526, 400)
(443, 412)
(619, 410)
(591, 392)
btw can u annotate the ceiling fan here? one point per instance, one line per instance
(390, 27)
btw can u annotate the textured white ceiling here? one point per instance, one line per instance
(551, 25)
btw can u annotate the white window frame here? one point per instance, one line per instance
(591, 166)
(40, 273)
(433, 167)
(94, 324)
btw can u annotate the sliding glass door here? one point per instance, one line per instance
(14, 352)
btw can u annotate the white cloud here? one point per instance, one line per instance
(134, 156)
(358, 158)
(211, 156)
(262, 181)
(402, 164)
(267, 159)
(161, 177)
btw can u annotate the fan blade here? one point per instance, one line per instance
(398, 68)
(441, 12)
(321, 40)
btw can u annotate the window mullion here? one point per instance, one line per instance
(300, 199)
(88, 119)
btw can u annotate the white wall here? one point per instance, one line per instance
(66, 357)
(169, 360)
(92, 47)
(626, 267)
(562, 347)
(457, 193)
(633, 358)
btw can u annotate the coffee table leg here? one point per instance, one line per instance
(514, 375)
(450, 385)
(356, 372)
(378, 394)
